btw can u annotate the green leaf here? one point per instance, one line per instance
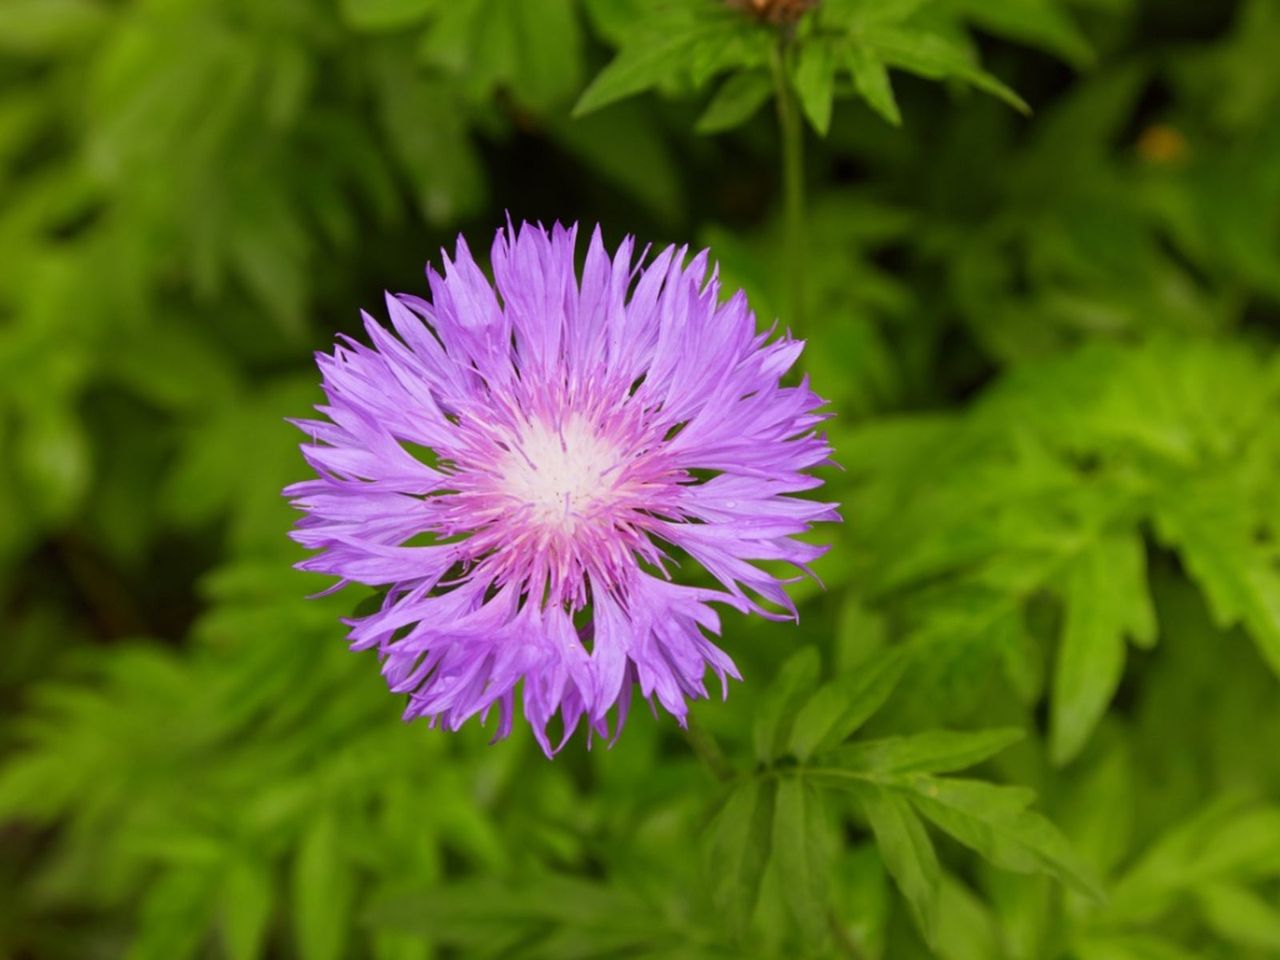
(735, 102)
(639, 68)
(937, 751)
(800, 850)
(1240, 915)
(1097, 809)
(839, 708)
(322, 893)
(907, 852)
(546, 916)
(856, 15)
(864, 897)
(781, 703)
(527, 50)
(936, 58)
(1106, 598)
(174, 915)
(871, 78)
(378, 15)
(994, 821)
(1123, 946)
(547, 72)
(1229, 841)
(814, 79)
(47, 26)
(739, 846)
(1044, 23)
(248, 897)
(421, 119)
(54, 459)
(176, 368)
(679, 44)
(1027, 908)
(967, 927)
(1204, 522)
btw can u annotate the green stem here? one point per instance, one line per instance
(707, 749)
(791, 129)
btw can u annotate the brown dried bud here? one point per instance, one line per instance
(774, 11)
(1162, 145)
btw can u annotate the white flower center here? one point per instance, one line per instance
(561, 473)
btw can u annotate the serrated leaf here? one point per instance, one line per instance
(907, 852)
(739, 849)
(321, 893)
(839, 708)
(1106, 598)
(735, 102)
(800, 851)
(937, 751)
(871, 78)
(814, 80)
(993, 820)
(777, 713)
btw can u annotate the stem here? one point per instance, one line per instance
(791, 129)
(707, 749)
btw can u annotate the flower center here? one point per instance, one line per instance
(562, 473)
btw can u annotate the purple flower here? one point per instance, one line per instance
(518, 466)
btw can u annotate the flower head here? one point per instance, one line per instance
(519, 467)
(775, 11)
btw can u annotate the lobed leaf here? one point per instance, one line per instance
(814, 78)
(735, 102)
(937, 751)
(321, 891)
(801, 851)
(994, 821)
(1106, 598)
(871, 78)
(740, 840)
(782, 702)
(838, 709)
(907, 852)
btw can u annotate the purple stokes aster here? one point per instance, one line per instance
(515, 467)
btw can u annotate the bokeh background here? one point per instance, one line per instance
(1049, 339)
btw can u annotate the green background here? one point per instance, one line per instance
(1034, 246)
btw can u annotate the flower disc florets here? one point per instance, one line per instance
(516, 466)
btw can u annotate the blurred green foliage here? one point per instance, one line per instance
(1034, 712)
